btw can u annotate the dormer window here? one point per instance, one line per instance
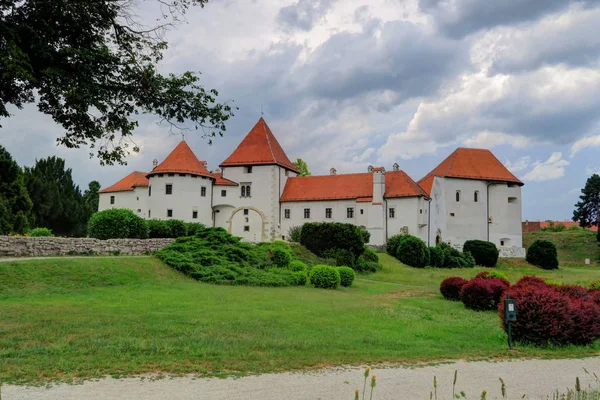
(248, 169)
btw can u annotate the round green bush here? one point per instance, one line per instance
(427, 260)
(177, 228)
(281, 258)
(346, 276)
(325, 277)
(300, 277)
(158, 229)
(411, 251)
(436, 257)
(362, 265)
(543, 254)
(193, 227)
(117, 223)
(392, 244)
(297, 266)
(484, 253)
(40, 232)
(370, 255)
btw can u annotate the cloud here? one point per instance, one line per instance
(590, 141)
(518, 165)
(552, 168)
(592, 169)
(304, 14)
(487, 139)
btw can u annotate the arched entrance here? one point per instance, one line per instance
(249, 224)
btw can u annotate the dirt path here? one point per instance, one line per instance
(536, 378)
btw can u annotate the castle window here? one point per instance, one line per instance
(149, 213)
(452, 214)
(246, 228)
(248, 169)
(286, 213)
(512, 199)
(328, 212)
(170, 174)
(203, 191)
(149, 191)
(458, 195)
(349, 212)
(246, 191)
(112, 199)
(194, 214)
(307, 213)
(194, 176)
(476, 196)
(169, 213)
(243, 191)
(362, 211)
(223, 193)
(160, 175)
(168, 188)
(139, 210)
(182, 174)
(392, 212)
(245, 211)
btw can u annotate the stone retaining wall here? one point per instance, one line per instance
(18, 246)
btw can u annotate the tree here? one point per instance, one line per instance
(587, 210)
(91, 65)
(57, 201)
(15, 204)
(91, 199)
(302, 167)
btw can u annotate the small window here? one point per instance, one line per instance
(249, 169)
(502, 243)
(476, 196)
(149, 213)
(452, 214)
(161, 175)
(458, 195)
(194, 214)
(194, 176)
(246, 228)
(328, 213)
(362, 211)
(203, 191)
(139, 210)
(307, 213)
(243, 191)
(138, 199)
(112, 199)
(149, 191)
(182, 174)
(223, 193)
(420, 211)
(168, 188)
(171, 175)
(512, 199)
(245, 211)
(169, 213)
(286, 213)
(248, 191)
(349, 212)
(392, 212)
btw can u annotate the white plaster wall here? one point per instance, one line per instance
(506, 217)
(133, 199)
(470, 217)
(407, 213)
(438, 214)
(222, 215)
(253, 220)
(185, 199)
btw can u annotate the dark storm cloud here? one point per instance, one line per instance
(303, 14)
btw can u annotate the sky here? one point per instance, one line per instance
(353, 83)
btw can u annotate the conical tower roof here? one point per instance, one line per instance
(182, 160)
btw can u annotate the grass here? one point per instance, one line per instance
(573, 247)
(64, 319)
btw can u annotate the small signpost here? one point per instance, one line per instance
(510, 315)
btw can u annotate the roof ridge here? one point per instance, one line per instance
(268, 138)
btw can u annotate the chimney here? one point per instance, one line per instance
(370, 168)
(217, 170)
(154, 163)
(332, 171)
(378, 183)
(396, 167)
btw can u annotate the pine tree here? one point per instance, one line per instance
(302, 167)
(587, 210)
(15, 204)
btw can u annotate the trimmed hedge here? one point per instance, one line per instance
(40, 232)
(484, 253)
(483, 294)
(411, 251)
(117, 223)
(436, 257)
(321, 237)
(177, 228)
(297, 266)
(370, 255)
(363, 265)
(392, 244)
(281, 258)
(451, 288)
(346, 276)
(543, 254)
(325, 277)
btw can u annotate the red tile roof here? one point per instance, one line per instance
(259, 147)
(128, 183)
(568, 224)
(348, 186)
(470, 163)
(220, 181)
(182, 160)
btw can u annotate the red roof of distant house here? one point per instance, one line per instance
(220, 181)
(259, 147)
(128, 183)
(348, 186)
(470, 163)
(568, 224)
(182, 160)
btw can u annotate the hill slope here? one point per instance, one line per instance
(573, 246)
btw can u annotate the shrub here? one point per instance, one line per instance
(573, 292)
(531, 281)
(40, 232)
(543, 254)
(411, 251)
(586, 321)
(192, 228)
(461, 260)
(493, 275)
(341, 256)
(295, 234)
(483, 294)
(595, 286)
(436, 257)
(366, 236)
(325, 277)
(117, 223)
(559, 227)
(158, 229)
(392, 244)
(363, 265)
(177, 228)
(595, 297)
(281, 258)
(320, 237)
(346, 276)
(427, 259)
(370, 255)
(297, 266)
(300, 278)
(484, 253)
(451, 287)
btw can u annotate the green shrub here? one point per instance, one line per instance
(365, 266)
(560, 227)
(281, 258)
(39, 232)
(427, 260)
(485, 253)
(575, 228)
(325, 277)
(462, 260)
(295, 234)
(321, 237)
(266, 252)
(117, 223)
(392, 244)
(346, 276)
(436, 257)
(192, 227)
(158, 229)
(300, 278)
(366, 236)
(543, 254)
(297, 266)
(341, 256)
(177, 228)
(491, 274)
(411, 251)
(370, 255)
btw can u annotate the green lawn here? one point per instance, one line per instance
(68, 318)
(573, 247)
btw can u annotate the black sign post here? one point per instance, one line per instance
(510, 315)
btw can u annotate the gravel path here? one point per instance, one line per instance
(536, 378)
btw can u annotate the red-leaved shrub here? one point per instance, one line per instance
(595, 297)
(574, 292)
(491, 275)
(483, 294)
(586, 321)
(451, 287)
(531, 281)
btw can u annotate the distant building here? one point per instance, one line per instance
(534, 226)
(258, 196)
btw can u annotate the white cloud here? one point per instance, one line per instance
(590, 141)
(552, 168)
(592, 169)
(518, 165)
(487, 139)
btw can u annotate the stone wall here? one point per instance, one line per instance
(18, 246)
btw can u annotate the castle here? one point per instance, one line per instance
(257, 195)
